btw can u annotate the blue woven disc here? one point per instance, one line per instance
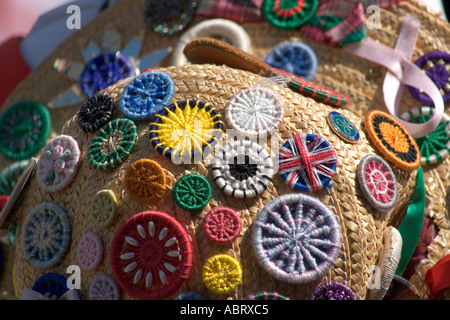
(46, 235)
(146, 95)
(296, 238)
(51, 285)
(103, 71)
(294, 57)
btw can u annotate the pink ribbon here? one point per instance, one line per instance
(401, 71)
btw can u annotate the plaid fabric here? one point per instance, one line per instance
(236, 10)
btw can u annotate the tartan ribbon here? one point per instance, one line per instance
(236, 10)
(308, 161)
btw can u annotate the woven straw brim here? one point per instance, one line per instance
(362, 227)
(354, 77)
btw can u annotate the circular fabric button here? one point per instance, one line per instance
(392, 140)
(95, 112)
(46, 235)
(377, 182)
(294, 57)
(104, 287)
(254, 111)
(333, 291)
(264, 295)
(222, 225)
(435, 146)
(288, 14)
(146, 95)
(186, 129)
(103, 208)
(90, 251)
(169, 17)
(58, 163)
(192, 192)
(145, 181)
(296, 238)
(105, 70)
(24, 130)
(11, 175)
(436, 65)
(242, 169)
(221, 274)
(224, 29)
(151, 255)
(51, 285)
(343, 127)
(112, 144)
(307, 162)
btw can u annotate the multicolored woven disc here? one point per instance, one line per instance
(46, 235)
(112, 144)
(288, 14)
(104, 287)
(333, 291)
(95, 112)
(377, 182)
(242, 169)
(151, 255)
(104, 70)
(186, 130)
(296, 238)
(146, 95)
(24, 130)
(435, 146)
(391, 139)
(307, 162)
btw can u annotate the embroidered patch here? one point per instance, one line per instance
(222, 225)
(24, 130)
(436, 65)
(151, 255)
(288, 14)
(186, 130)
(333, 291)
(103, 208)
(46, 235)
(146, 95)
(307, 162)
(343, 127)
(264, 295)
(145, 181)
(51, 286)
(112, 144)
(435, 146)
(392, 140)
(221, 274)
(254, 111)
(104, 287)
(242, 169)
(105, 70)
(192, 192)
(296, 238)
(58, 163)
(377, 182)
(95, 112)
(190, 296)
(169, 17)
(90, 251)
(294, 57)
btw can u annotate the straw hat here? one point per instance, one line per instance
(353, 77)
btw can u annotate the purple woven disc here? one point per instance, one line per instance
(333, 291)
(436, 64)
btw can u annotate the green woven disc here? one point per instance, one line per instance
(113, 144)
(24, 130)
(288, 14)
(192, 192)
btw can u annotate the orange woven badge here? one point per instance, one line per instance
(392, 140)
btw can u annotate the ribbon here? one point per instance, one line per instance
(401, 71)
(30, 294)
